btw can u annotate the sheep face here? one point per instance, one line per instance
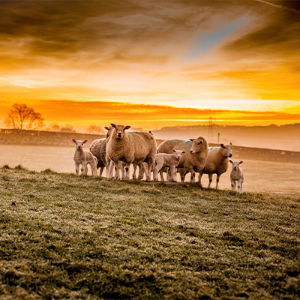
(178, 154)
(198, 145)
(119, 131)
(226, 150)
(235, 164)
(79, 144)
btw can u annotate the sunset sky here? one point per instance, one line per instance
(152, 63)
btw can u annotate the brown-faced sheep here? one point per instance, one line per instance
(216, 163)
(130, 148)
(194, 158)
(84, 158)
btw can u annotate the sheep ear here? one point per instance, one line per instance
(84, 142)
(240, 162)
(191, 140)
(127, 127)
(74, 141)
(222, 145)
(106, 128)
(113, 125)
(230, 161)
(182, 152)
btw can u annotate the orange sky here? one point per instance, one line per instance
(171, 63)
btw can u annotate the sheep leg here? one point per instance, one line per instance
(233, 185)
(84, 169)
(155, 173)
(157, 169)
(193, 175)
(119, 167)
(134, 171)
(110, 169)
(141, 171)
(77, 168)
(147, 169)
(169, 177)
(217, 181)
(161, 173)
(199, 179)
(101, 171)
(126, 171)
(182, 175)
(93, 168)
(172, 173)
(210, 180)
(240, 184)
(123, 170)
(93, 165)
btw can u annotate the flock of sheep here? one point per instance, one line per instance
(122, 148)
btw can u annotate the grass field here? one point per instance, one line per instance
(69, 237)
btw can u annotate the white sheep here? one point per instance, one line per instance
(84, 158)
(169, 162)
(236, 175)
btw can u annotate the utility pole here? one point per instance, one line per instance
(210, 129)
(219, 137)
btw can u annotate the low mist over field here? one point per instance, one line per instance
(286, 137)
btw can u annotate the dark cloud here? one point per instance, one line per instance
(53, 27)
(279, 35)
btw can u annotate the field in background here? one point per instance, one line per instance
(69, 237)
(260, 176)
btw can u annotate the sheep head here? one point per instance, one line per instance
(119, 130)
(226, 150)
(79, 143)
(198, 145)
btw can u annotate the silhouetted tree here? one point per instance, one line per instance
(22, 116)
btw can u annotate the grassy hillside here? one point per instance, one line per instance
(63, 236)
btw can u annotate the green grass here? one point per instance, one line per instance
(69, 237)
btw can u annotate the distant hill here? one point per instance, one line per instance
(43, 138)
(286, 137)
(64, 139)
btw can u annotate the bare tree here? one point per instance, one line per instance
(22, 116)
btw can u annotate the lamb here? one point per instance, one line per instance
(236, 175)
(166, 161)
(216, 163)
(194, 158)
(84, 158)
(130, 148)
(98, 149)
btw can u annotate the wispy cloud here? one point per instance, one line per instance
(204, 42)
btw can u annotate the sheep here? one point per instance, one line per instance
(130, 148)
(236, 175)
(216, 163)
(165, 161)
(98, 149)
(194, 158)
(84, 158)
